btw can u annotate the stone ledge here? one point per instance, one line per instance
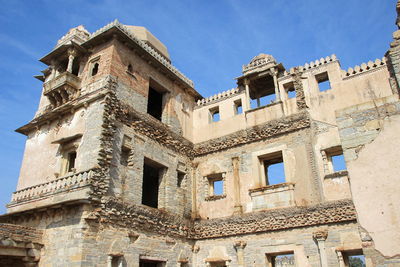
(212, 198)
(270, 187)
(336, 174)
(19, 233)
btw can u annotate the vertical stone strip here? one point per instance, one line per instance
(100, 179)
(320, 237)
(236, 184)
(298, 87)
(239, 246)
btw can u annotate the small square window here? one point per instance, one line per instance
(214, 112)
(273, 168)
(352, 258)
(334, 160)
(323, 81)
(238, 107)
(216, 186)
(290, 90)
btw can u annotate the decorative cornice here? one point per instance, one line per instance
(364, 68)
(218, 97)
(257, 133)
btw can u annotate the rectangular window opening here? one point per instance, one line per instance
(274, 169)
(151, 263)
(117, 261)
(71, 161)
(155, 103)
(336, 161)
(180, 179)
(151, 180)
(263, 101)
(290, 90)
(125, 153)
(354, 258)
(285, 259)
(323, 81)
(238, 107)
(214, 112)
(216, 185)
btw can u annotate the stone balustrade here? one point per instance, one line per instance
(63, 88)
(68, 182)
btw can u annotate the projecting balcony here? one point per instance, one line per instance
(72, 187)
(62, 89)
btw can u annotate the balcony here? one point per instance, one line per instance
(62, 89)
(67, 188)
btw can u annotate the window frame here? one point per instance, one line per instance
(209, 186)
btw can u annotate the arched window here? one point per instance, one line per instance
(95, 68)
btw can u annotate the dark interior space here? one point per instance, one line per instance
(154, 103)
(151, 180)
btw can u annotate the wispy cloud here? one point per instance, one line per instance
(19, 45)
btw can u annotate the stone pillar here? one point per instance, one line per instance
(194, 191)
(276, 86)
(195, 250)
(71, 57)
(320, 237)
(239, 246)
(247, 105)
(340, 259)
(236, 183)
(53, 67)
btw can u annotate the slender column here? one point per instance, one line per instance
(236, 179)
(320, 237)
(71, 57)
(258, 101)
(195, 250)
(239, 246)
(246, 84)
(53, 67)
(276, 85)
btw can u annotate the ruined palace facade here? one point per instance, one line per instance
(126, 164)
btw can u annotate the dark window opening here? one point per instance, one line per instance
(274, 170)
(75, 67)
(154, 104)
(71, 161)
(150, 263)
(95, 69)
(238, 107)
(280, 260)
(117, 261)
(215, 114)
(290, 90)
(180, 179)
(151, 182)
(125, 153)
(129, 68)
(323, 81)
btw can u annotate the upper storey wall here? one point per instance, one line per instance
(344, 89)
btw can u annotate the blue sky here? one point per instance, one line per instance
(208, 41)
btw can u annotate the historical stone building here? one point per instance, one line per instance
(126, 164)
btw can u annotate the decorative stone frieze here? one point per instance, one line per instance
(273, 220)
(267, 130)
